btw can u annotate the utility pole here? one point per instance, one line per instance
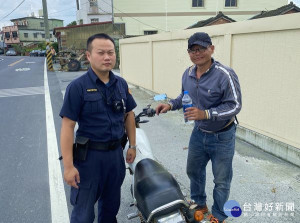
(45, 13)
(112, 12)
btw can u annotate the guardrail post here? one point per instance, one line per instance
(49, 60)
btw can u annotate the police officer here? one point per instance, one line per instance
(100, 102)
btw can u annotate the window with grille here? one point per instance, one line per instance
(35, 35)
(26, 35)
(93, 3)
(94, 20)
(15, 34)
(150, 32)
(230, 3)
(198, 3)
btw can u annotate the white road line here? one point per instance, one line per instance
(59, 209)
(21, 91)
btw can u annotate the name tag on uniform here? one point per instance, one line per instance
(91, 90)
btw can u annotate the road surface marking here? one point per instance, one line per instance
(59, 209)
(21, 91)
(15, 62)
(23, 69)
(1, 59)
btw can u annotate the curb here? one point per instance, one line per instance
(279, 149)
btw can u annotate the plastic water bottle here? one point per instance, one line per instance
(186, 103)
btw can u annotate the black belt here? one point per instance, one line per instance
(226, 128)
(221, 130)
(104, 145)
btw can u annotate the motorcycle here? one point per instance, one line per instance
(156, 194)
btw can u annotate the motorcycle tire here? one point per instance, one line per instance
(74, 65)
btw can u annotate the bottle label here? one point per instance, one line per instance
(186, 106)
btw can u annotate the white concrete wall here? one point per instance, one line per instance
(265, 54)
(170, 15)
(104, 11)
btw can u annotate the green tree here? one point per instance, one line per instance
(41, 45)
(19, 49)
(72, 23)
(55, 46)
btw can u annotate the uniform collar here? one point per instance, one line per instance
(95, 79)
(192, 70)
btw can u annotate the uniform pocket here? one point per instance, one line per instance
(93, 102)
(82, 191)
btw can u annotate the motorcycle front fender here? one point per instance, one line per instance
(143, 150)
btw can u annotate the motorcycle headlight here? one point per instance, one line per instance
(171, 218)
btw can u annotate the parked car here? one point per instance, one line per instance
(42, 53)
(34, 53)
(1, 51)
(11, 52)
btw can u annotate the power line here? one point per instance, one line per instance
(61, 10)
(132, 17)
(109, 13)
(12, 10)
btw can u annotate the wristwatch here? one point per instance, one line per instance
(132, 147)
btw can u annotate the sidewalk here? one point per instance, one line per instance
(263, 185)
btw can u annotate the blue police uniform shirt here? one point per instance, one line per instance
(88, 101)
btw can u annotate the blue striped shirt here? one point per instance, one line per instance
(217, 91)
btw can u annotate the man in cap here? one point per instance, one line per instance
(216, 95)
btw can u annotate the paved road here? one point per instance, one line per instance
(24, 186)
(29, 135)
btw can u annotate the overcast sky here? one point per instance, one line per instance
(58, 9)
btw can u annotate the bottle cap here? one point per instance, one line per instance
(186, 92)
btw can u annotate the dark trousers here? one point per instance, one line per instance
(101, 177)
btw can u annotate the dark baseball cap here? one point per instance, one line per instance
(199, 38)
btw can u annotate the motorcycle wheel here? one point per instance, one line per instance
(74, 65)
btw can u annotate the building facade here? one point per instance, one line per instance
(75, 37)
(93, 11)
(149, 17)
(28, 30)
(11, 35)
(2, 44)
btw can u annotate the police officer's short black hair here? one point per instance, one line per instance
(97, 36)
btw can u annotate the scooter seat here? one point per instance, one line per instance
(153, 187)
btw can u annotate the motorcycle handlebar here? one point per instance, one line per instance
(149, 112)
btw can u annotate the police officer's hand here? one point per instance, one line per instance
(130, 156)
(162, 108)
(71, 176)
(193, 113)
